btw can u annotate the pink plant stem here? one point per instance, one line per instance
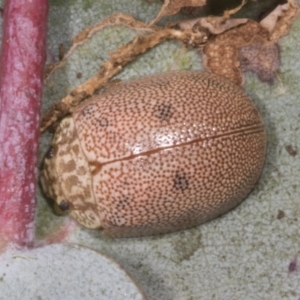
(21, 81)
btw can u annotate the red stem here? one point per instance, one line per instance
(21, 80)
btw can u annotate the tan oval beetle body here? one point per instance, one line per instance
(157, 154)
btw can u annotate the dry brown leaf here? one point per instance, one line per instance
(171, 7)
(214, 25)
(222, 60)
(244, 48)
(217, 25)
(228, 13)
(260, 57)
(270, 21)
(279, 21)
(251, 47)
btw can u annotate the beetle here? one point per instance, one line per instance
(156, 154)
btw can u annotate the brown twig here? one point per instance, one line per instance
(21, 80)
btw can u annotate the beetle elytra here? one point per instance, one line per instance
(157, 154)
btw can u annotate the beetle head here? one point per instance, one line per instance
(66, 177)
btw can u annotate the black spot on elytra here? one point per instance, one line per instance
(122, 203)
(88, 110)
(103, 122)
(180, 181)
(164, 112)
